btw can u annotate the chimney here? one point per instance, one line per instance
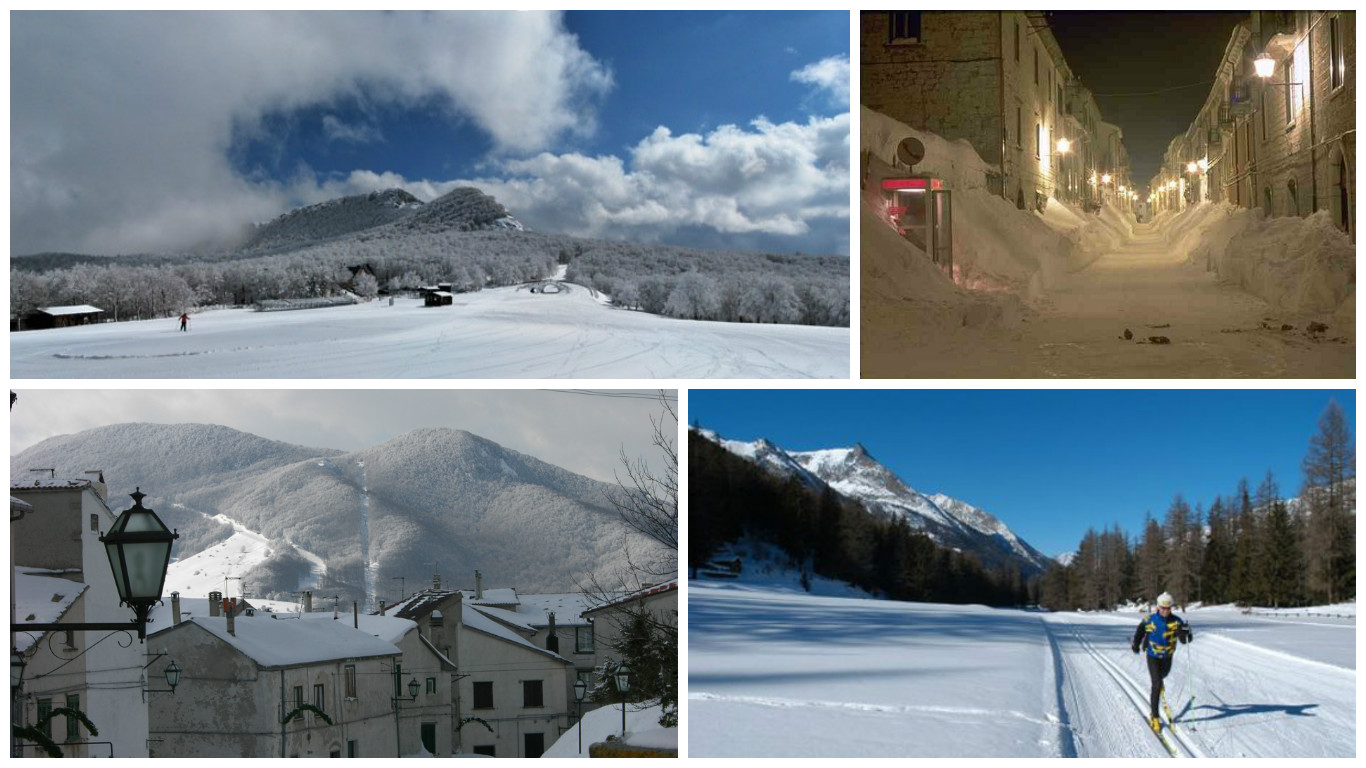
(175, 608)
(308, 602)
(355, 614)
(478, 585)
(453, 650)
(436, 581)
(552, 641)
(233, 607)
(215, 603)
(382, 608)
(232, 624)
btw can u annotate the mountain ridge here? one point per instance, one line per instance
(854, 473)
(431, 498)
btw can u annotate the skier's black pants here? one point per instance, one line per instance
(1157, 672)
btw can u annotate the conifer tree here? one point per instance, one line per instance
(1329, 491)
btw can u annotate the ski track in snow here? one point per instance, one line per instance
(776, 672)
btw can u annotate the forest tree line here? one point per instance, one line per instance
(1250, 547)
(826, 534)
(698, 285)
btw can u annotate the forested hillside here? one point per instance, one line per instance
(390, 242)
(731, 497)
(1250, 547)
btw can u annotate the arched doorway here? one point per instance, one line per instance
(1341, 191)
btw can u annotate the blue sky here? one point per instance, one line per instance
(1050, 463)
(715, 129)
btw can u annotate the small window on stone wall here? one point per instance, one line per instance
(904, 27)
(1293, 198)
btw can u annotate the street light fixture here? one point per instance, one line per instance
(623, 677)
(1064, 145)
(1265, 66)
(139, 550)
(1105, 179)
(580, 690)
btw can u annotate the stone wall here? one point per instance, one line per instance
(948, 83)
(1334, 113)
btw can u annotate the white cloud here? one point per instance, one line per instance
(122, 126)
(780, 180)
(121, 122)
(830, 75)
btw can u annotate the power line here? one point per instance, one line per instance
(1154, 93)
(618, 394)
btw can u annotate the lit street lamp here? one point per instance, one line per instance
(623, 685)
(580, 689)
(1064, 145)
(1265, 66)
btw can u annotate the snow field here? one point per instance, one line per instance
(497, 333)
(776, 672)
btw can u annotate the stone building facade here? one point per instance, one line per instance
(995, 78)
(1284, 144)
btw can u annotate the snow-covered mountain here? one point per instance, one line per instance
(387, 213)
(854, 473)
(333, 218)
(431, 499)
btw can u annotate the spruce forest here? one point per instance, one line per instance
(1252, 547)
(826, 534)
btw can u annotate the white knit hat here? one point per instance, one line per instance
(1165, 600)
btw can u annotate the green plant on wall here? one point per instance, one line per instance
(36, 734)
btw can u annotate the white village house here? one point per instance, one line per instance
(253, 683)
(512, 697)
(61, 574)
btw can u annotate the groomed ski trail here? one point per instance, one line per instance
(1251, 702)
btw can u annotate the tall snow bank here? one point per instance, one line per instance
(895, 271)
(997, 247)
(1093, 233)
(1304, 266)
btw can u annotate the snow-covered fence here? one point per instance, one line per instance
(1308, 614)
(281, 305)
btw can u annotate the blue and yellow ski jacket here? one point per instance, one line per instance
(1160, 635)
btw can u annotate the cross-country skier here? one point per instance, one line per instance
(1159, 632)
(184, 320)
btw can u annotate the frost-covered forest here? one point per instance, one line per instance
(388, 243)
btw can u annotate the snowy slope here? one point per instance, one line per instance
(498, 333)
(350, 523)
(779, 673)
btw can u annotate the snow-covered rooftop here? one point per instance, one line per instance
(657, 589)
(568, 607)
(390, 629)
(47, 484)
(275, 640)
(40, 596)
(74, 309)
(501, 596)
(473, 619)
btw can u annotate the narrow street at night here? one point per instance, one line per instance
(1044, 198)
